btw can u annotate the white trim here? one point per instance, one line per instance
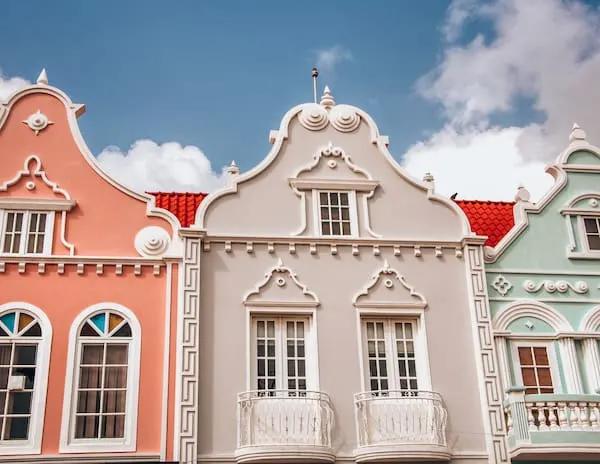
(166, 360)
(352, 204)
(38, 402)
(38, 204)
(591, 321)
(570, 364)
(552, 360)
(342, 185)
(48, 232)
(503, 363)
(591, 356)
(67, 443)
(531, 308)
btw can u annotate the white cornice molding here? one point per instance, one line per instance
(41, 204)
(360, 185)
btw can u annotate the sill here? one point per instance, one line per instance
(99, 445)
(8, 448)
(285, 454)
(402, 452)
(584, 254)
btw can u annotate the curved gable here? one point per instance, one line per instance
(39, 130)
(265, 200)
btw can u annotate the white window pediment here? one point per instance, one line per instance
(281, 288)
(583, 226)
(387, 288)
(28, 205)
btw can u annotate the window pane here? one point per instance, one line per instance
(25, 355)
(92, 354)
(593, 242)
(115, 377)
(90, 377)
(116, 354)
(591, 226)
(113, 426)
(16, 428)
(114, 401)
(87, 426)
(343, 199)
(525, 356)
(19, 402)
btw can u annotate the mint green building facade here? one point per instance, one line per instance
(543, 282)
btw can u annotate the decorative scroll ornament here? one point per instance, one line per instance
(315, 117)
(152, 241)
(502, 285)
(37, 122)
(560, 286)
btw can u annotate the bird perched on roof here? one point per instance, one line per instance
(453, 196)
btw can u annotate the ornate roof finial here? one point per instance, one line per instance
(522, 194)
(43, 77)
(428, 177)
(327, 99)
(232, 169)
(577, 133)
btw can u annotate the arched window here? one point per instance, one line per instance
(105, 376)
(24, 356)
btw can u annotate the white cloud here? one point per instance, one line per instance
(329, 58)
(547, 51)
(148, 166)
(10, 85)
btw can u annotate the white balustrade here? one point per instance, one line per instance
(551, 413)
(282, 417)
(393, 418)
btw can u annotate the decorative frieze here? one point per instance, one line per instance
(552, 286)
(80, 268)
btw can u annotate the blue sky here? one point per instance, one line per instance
(218, 75)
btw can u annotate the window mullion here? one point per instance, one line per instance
(281, 372)
(391, 355)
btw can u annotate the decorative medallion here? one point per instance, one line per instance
(37, 122)
(502, 285)
(152, 241)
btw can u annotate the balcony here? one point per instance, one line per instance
(553, 426)
(285, 427)
(398, 426)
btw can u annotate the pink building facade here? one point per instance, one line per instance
(88, 298)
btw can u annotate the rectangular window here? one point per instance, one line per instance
(280, 357)
(592, 232)
(335, 213)
(390, 355)
(102, 391)
(535, 369)
(25, 232)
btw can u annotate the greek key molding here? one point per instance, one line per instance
(488, 363)
(560, 286)
(186, 407)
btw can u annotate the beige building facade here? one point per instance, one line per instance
(334, 309)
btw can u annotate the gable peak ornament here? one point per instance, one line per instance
(327, 99)
(577, 133)
(43, 77)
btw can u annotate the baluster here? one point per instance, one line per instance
(584, 416)
(594, 420)
(574, 416)
(509, 421)
(531, 417)
(552, 415)
(542, 416)
(563, 412)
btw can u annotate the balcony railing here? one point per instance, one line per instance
(537, 423)
(401, 425)
(282, 422)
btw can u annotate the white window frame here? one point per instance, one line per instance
(583, 232)
(48, 232)
(352, 206)
(33, 445)
(552, 360)
(69, 444)
(310, 349)
(420, 348)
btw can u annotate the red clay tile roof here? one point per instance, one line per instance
(491, 218)
(182, 205)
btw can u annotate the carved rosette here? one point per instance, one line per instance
(37, 122)
(314, 117)
(152, 241)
